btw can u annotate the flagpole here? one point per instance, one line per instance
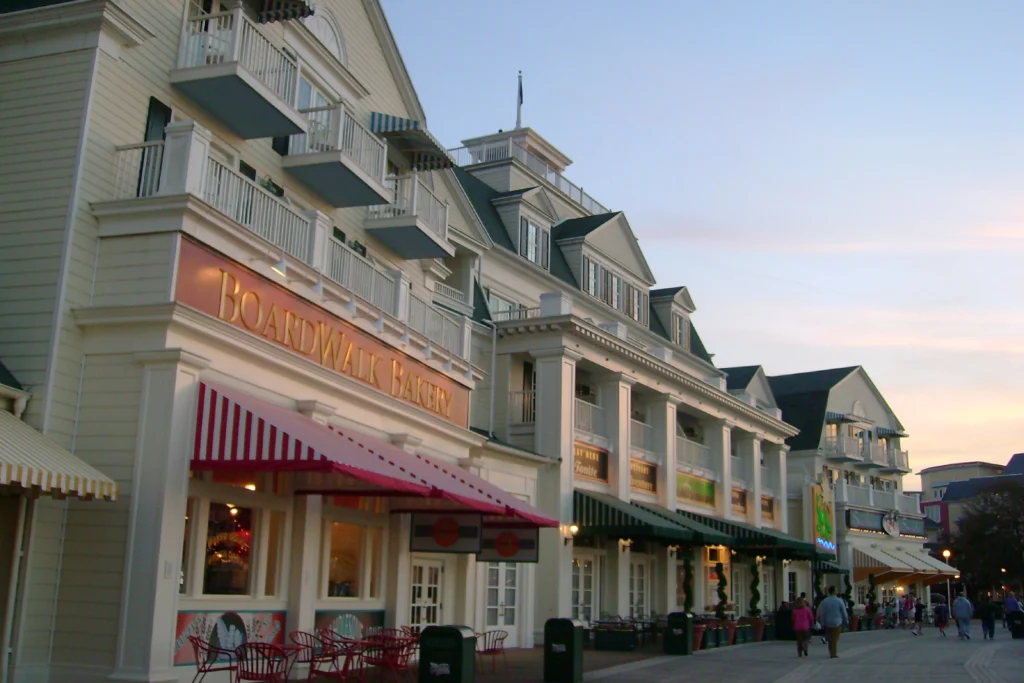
(519, 103)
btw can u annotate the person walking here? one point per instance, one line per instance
(890, 613)
(1010, 605)
(987, 612)
(832, 615)
(803, 622)
(962, 611)
(942, 618)
(918, 617)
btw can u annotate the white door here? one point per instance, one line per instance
(426, 593)
(584, 583)
(501, 600)
(639, 588)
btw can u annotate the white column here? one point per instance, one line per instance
(748, 447)
(402, 291)
(156, 527)
(614, 394)
(499, 384)
(186, 149)
(319, 231)
(775, 460)
(616, 598)
(663, 419)
(664, 581)
(718, 435)
(556, 388)
(307, 533)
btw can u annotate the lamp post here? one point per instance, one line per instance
(945, 556)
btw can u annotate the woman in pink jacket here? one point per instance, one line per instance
(803, 622)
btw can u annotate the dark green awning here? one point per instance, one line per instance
(826, 567)
(747, 537)
(285, 10)
(598, 514)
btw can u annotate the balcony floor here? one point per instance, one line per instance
(409, 238)
(239, 101)
(335, 178)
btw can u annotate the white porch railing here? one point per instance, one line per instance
(355, 273)
(516, 314)
(509, 149)
(741, 473)
(907, 504)
(855, 495)
(884, 499)
(436, 326)
(247, 203)
(641, 438)
(899, 459)
(693, 454)
(332, 128)
(137, 169)
(227, 37)
(877, 453)
(845, 446)
(414, 198)
(450, 292)
(589, 418)
(522, 407)
(768, 483)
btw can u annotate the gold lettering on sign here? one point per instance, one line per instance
(643, 476)
(590, 462)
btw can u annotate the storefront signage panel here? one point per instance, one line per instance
(349, 623)
(824, 518)
(223, 289)
(739, 502)
(695, 489)
(891, 523)
(768, 508)
(225, 630)
(643, 476)
(509, 544)
(445, 532)
(590, 462)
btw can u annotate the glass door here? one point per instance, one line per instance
(502, 593)
(584, 580)
(426, 593)
(639, 589)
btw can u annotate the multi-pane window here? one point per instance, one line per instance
(352, 560)
(534, 242)
(791, 586)
(612, 289)
(498, 304)
(681, 331)
(638, 588)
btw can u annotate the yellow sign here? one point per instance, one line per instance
(643, 476)
(590, 462)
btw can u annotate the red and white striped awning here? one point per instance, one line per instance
(235, 431)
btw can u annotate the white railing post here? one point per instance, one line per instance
(296, 86)
(238, 25)
(467, 337)
(554, 304)
(401, 303)
(336, 132)
(415, 182)
(444, 225)
(319, 229)
(186, 149)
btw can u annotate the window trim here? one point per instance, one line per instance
(332, 514)
(542, 246)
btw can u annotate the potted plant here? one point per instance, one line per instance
(610, 636)
(755, 603)
(723, 603)
(872, 607)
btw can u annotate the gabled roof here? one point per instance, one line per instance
(739, 378)
(680, 295)
(1016, 465)
(806, 412)
(806, 382)
(696, 345)
(393, 57)
(8, 379)
(513, 193)
(480, 195)
(575, 228)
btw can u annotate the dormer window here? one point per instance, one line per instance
(614, 290)
(534, 242)
(681, 331)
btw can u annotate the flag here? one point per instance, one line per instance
(520, 87)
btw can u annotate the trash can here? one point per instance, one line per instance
(784, 624)
(1015, 622)
(678, 637)
(563, 651)
(447, 655)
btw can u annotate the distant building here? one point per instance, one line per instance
(934, 484)
(958, 493)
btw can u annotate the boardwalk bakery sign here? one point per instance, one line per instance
(221, 288)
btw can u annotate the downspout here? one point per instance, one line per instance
(7, 632)
(494, 370)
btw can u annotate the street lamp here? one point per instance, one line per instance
(949, 596)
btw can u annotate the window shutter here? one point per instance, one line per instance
(545, 238)
(524, 230)
(646, 310)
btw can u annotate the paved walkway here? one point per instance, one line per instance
(863, 658)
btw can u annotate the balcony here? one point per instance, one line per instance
(875, 455)
(522, 407)
(691, 455)
(864, 496)
(520, 313)
(510, 149)
(439, 327)
(641, 442)
(769, 483)
(228, 67)
(854, 495)
(590, 423)
(741, 475)
(843, 449)
(338, 158)
(415, 224)
(896, 462)
(450, 296)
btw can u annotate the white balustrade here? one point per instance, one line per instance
(907, 504)
(414, 198)
(332, 128)
(856, 495)
(509, 149)
(522, 407)
(694, 454)
(355, 273)
(227, 37)
(846, 446)
(137, 169)
(899, 460)
(767, 479)
(450, 292)
(641, 438)
(589, 418)
(436, 326)
(520, 313)
(741, 475)
(884, 499)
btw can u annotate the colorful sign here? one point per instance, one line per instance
(225, 290)
(348, 623)
(739, 501)
(695, 489)
(643, 476)
(509, 544)
(891, 523)
(225, 630)
(590, 462)
(445, 532)
(823, 510)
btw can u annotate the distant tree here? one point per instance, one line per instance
(990, 536)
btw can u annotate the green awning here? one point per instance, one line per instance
(412, 139)
(764, 541)
(598, 514)
(826, 567)
(285, 10)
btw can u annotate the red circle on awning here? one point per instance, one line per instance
(446, 531)
(507, 544)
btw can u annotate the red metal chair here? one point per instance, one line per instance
(387, 653)
(262, 662)
(491, 644)
(350, 651)
(210, 659)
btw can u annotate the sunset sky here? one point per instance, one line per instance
(836, 184)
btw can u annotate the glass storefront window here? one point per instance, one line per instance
(275, 543)
(353, 561)
(228, 550)
(186, 543)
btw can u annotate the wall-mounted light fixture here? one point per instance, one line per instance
(673, 550)
(571, 532)
(626, 544)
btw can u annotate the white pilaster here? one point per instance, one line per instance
(186, 150)
(319, 231)
(500, 385)
(617, 563)
(663, 419)
(158, 492)
(718, 435)
(664, 580)
(775, 461)
(307, 534)
(615, 394)
(749, 450)
(401, 293)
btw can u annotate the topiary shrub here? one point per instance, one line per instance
(755, 595)
(723, 597)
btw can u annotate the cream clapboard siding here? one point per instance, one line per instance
(134, 270)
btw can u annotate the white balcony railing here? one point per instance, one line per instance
(227, 37)
(844, 446)
(884, 499)
(877, 453)
(438, 327)
(509, 149)
(589, 418)
(768, 483)
(332, 128)
(450, 292)
(355, 273)
(641, 437)
(522, 407)
(693, 454)
(908, 504)
(414, 198)
(247, 203)
(137, 169)
(899, 460)
(741, 475)
(516, 314)
(856, 495)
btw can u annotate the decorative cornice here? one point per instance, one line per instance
(172, 357)
(557, 353)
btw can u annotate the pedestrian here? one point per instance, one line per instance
(832, 615)
(890, 613)
(962, 611)
(906, 611)
(942, 617)
(803, 622)
(918, 617)
(987, 612)
(1010, 605)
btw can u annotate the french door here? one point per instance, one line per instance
(427, 576)
(639, 588)
(502, 594)
(585, 605)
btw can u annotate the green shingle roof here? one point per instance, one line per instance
(739, 378)
(805, 382)
(581, 227)
(481, 311)
(696, 345)
(7, 378)
(803, 399)
(480, 195)
(665, 292)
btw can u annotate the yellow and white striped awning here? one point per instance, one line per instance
(31, 460)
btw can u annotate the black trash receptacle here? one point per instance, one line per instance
(678, 637)
(563, 651)
(1015, 622)
(447, 655)
(784, 624)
